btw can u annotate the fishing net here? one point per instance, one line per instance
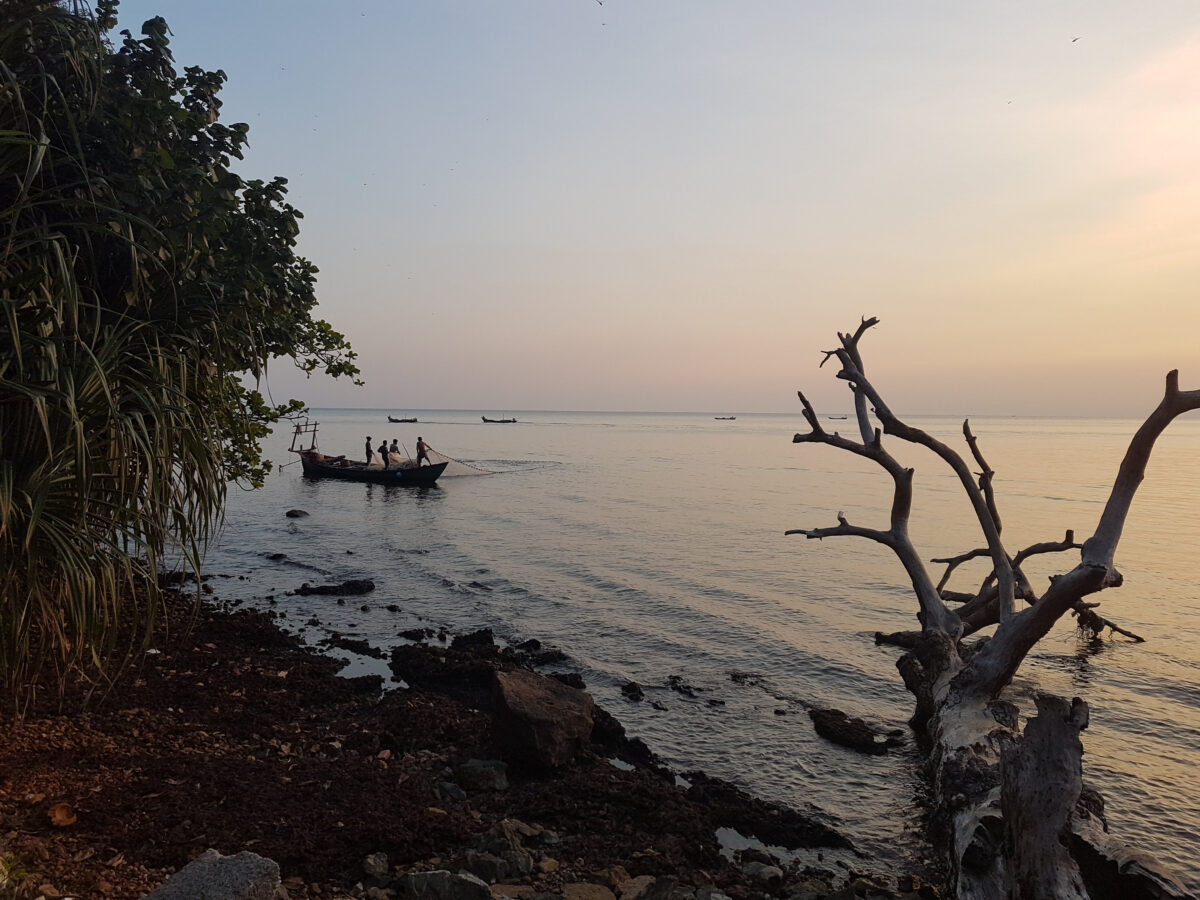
(456, 466)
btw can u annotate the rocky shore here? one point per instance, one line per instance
(231, 734)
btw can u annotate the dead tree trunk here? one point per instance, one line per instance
(1005, 809)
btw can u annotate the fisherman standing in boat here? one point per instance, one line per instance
(395, 448)
(422, 451)
(383, 457)
(369, 451)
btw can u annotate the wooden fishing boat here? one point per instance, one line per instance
(394, 419)
(498, 421)
(725, 418)
(317, 465)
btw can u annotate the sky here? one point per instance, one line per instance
(658, 205)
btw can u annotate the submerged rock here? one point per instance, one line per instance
(847, 731)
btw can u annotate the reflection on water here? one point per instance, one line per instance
(648, 546)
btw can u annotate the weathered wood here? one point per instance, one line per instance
(1041, 780)
(1004, 804)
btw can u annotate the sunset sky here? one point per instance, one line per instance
(658, 205)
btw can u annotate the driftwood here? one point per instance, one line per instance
(1007, 811)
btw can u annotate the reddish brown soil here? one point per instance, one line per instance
(234, 736)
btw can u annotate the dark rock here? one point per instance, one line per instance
(275, 557)
(485, 866)
(454, 792)
(538, 721)
(481, 638)
(354, 586)
(771, 823)
(354, 646)
(633, 691)
(677, 684)
(573, 679)
(834, 725)
(483, 775)
(463, 676)
(417, 634)
(392, 607)
(376, 865)
(295, 513)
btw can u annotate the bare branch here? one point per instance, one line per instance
(953, 562)
(1100, 547)
(810, 415)
(985, 477)
(845, 529)
(1067, 543)
(852, 372)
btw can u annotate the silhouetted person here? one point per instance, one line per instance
(368, 456)
(383, 453)
(422, 451)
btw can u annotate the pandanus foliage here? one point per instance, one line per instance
(144, 287)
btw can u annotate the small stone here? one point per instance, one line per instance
(634, 887)
(582, 890)
(547, 864)
(49, 891)
(763, 872)
(376, 865)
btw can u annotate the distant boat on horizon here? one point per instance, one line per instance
(835, 417)
(725, 418)
(499, 421)
(394, 419)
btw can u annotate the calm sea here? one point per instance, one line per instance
(650, 546)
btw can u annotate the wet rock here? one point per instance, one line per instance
(834, 725)
(275, 557)
(354, 586)
(481, 638)
(354, 646)
(573, 679)
(771, 823)
(677, 684)
(295, 513)
(416, 634)
(633, 691)
(538, 721)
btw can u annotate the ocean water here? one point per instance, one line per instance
(650, 546)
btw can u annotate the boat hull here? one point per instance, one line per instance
(408, 476)
(394, 419)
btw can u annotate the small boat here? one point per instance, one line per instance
(317, 465)
(835, 417)
(498, 421)
(394, 419)
(725, 418)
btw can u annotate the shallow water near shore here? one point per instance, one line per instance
(649, 547)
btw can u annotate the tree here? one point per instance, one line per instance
(1012, 814)
(141, 280)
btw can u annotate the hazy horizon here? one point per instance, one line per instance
(567, 204)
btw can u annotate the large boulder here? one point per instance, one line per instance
(539, 722)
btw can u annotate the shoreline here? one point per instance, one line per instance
(235, 735)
